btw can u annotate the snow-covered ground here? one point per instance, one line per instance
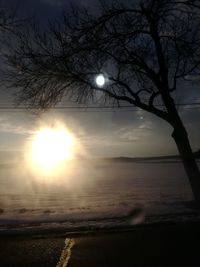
(95, 195)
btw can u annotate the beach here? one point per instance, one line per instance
(172, 244)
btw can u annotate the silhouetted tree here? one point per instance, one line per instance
(8, 18)
(9, 22)
(145, 51)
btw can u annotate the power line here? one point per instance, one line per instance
(124, 108)
(98, 107)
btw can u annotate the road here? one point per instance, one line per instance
(157, 246)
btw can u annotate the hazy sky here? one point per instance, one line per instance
(116, 133)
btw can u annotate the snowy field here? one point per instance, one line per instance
(95, 194)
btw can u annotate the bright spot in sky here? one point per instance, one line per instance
(50, 147)
(100, 80)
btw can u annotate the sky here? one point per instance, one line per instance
(103, 133)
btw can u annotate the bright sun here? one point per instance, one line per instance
(51, 147)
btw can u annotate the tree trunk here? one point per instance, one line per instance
(182, 141)
(181, 138)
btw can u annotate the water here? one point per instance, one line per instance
(94, 194)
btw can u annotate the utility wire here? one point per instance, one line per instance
(97, 107)
(124, 108)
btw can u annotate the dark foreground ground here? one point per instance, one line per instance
(158, 245)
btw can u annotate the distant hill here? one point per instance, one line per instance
(158, 158)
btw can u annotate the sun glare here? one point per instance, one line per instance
(50, 148)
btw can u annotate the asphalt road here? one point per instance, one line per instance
(31, 252)
(157, 246)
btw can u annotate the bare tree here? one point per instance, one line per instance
(9, 22)
(145, 52)
(8, 17)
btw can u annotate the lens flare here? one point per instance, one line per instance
(50, 148)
